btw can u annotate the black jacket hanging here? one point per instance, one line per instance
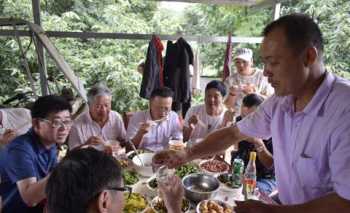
(152, 70)
(178, 57)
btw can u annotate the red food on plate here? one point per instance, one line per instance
(215, 166)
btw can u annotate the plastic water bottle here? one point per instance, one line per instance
(250, 177)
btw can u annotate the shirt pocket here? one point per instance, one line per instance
(309, 175)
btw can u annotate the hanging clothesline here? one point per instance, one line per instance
(135, 36)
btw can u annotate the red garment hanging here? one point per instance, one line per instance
(160, 48)
(228, 58)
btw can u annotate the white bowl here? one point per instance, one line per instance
(221, 203)
(145, 169)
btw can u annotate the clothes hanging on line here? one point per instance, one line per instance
(153, 77)
(178, 57)
(197, 70)
(228, 58)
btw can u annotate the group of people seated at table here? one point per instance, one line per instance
(26, 165)
(88, 180)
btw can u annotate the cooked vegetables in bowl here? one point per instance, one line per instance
(158, 205)
(130, 177)
(186, 169)
(135, 203)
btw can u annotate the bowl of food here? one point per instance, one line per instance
(227, 184)
(176, 145)
(152, 184)
(199, 186)
(143, 164)
(130, 177)
(213, 206)
(132, 153)
(186, 169)
(135, 203)
(158, 205)
(214, 166)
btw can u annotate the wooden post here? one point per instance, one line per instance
(40, 50)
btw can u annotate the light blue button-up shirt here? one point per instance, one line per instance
(157, 139)
(311, 147)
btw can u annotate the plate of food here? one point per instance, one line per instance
(206, 206)
(214, 166)
(130, 177)
(135, 203)
(158, 205)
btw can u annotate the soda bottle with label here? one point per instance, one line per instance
(250, 177)
(237, 170)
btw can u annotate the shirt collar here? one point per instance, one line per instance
(315, 106)
(92, 121)
(37, 143)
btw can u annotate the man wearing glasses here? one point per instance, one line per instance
(102, 188)
(153, 128)
(27, 161)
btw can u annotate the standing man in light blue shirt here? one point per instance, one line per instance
(308, 119)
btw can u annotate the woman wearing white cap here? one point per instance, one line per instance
(245, 81)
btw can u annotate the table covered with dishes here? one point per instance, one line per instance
(206, 183)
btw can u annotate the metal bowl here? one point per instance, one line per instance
(199, 186)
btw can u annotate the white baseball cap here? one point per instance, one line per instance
(245, 54)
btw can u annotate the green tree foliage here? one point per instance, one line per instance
(115, 61)
(214, 20)
(333, 18)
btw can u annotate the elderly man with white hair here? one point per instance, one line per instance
(99, 124)
(246, 80)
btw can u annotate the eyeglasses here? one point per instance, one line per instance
(122, 189)
(58, 123)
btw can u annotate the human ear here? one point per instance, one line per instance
(311, 55)
(103, 202)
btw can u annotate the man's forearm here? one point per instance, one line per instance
(266, 158)
(187, 132)
(215, 142)
(326, 204)
(137, 139)
(34, 193)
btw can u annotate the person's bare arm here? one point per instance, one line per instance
(187, 132)
(31, 190)
(329, 203)
(263, 153)
(144, 129)
(8, 136)
(216, 142)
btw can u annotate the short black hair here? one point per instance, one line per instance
(79, 178)
(45, 105)
(300, 30)
(252, 100)
(164, 92)
(215, 84)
